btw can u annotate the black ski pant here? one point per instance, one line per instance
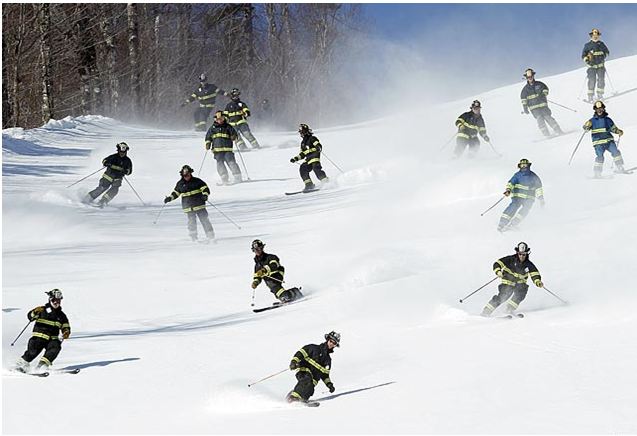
(304, 387)
(599, 75)
(513, 295)
(274, 283)
(205, 223)
(224, 158)
(306, 168)
(543, 116)
(201, 118)
(244, 130)
(52, 348)
(463, 143)
(103, 186)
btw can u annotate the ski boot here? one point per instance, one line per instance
(42, 367)
(22, 366)
(309, 187)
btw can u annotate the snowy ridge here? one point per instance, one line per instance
(163, 329)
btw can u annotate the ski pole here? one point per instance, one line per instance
(25, 327)
(496, 203)
(243, 162)
(131, 186)
(493, 148)
(561, 105)
(448, 142)
(84, 178)
(487, 283)
(253, 291)
(579, 96)
(203, 160)
(576, 147)
(609, 81)
(270, 376)
(332, 162)
(160, 211)
(563, 302)
(226, 216)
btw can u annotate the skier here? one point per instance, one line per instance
(49, 320)
(237, 113)
(594, 55)
(469, 125)
(514, 271)
(313, 363)
(602, 127)
(310, 151)
(268, 269)
(524, 187)
(205, 94)
(220, 138)
(118, 165)
(533, 97)
(194, 194)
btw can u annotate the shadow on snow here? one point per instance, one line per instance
(331, 397)
(98, 363)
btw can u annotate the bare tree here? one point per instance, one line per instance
(44, 25)
(133, 57)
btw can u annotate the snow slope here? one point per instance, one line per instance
(164, 332)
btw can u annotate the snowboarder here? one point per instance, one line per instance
(534, 99)
(118, 166)
(205, 94)
(268, 269)
(524, 187)
(49, 321)
(237, 113)
(514, 271)
(469, 125)
(594, 55)
(220, 138)
(310, 151)
(194, 194)
(313, 363)
(602, 127)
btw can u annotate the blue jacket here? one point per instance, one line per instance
(534, 96)
(526, 185)
(601, 129)
(594, 53)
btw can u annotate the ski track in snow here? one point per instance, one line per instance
(165, 335)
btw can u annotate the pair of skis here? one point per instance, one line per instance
(278, 304)
(47, 373)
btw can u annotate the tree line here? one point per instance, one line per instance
(140, 61)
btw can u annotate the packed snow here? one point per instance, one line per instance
(163, 330)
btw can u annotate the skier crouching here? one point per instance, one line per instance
(268, 269)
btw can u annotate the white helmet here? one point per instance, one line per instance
(122, 147)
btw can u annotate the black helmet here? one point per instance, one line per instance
(235, 92)
(599, 104)
(336, 337)
(304, 129)
(476, 103)
(203, 78)
(257, 243)
(55, 294)
(122, 147)
(186, 169)
(522, 247)
(524, 162)
(529, 73)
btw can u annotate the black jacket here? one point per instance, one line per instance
(534, 96)
(194, 194)
(117, 167)
(316, 360)
(470, 124)
(516, 272)
(594, 53)
(49, 322)
(220, 137)
(237, 112)
(310, 149)
(206, 95)
(269, 262)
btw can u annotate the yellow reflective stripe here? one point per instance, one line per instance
(545, 92)
(107, 177)
(116, 167)
(234, 114)
(220, 135)
(508, 282)
(45, 360)
(194, 209)
(273, 261)
(316, 365)
(537, 106)
(315, 143)
(196, 191)
(311, 161)
(539, 192)
(241, 121)
(598, 53)
(514, 274)
(534, 273)
(509, 186)
(48, 322)
(217, 149)
(522, 186)
(463, 135)
(601, 130)
(279, 292)
(602, 141)
(43, 336)
(531, 97)
(206, 105)
(521, 195)
(203, 97)
(296, 359)
(597, 65)
(512, 303)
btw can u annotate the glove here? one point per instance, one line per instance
(38, 311)
(486, 138)
(331, 387)
(255, 283)
(526, 110)
(498, 273)
(620, 132)
(294, 365)
(168, 199)
(586, 127)
(208, 145)
(507, 192)
(66, 334)
(205, 198)
(539, 283)
(460, 127)
(261, 272)
(294, 159)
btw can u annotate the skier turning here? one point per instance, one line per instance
(310, 151)
(524, 187)
(220, 138)
(49, 320)
(469, 125)
(514, 271)
(268, 269)
(594, 55)
(118, 166)
(602, 127)
(313, 363)
(534, 99)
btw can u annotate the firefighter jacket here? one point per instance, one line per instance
(206, 95)
(117, 167)
(470, 124)
(194, 194)
(268, 262)
(236, 112)
(310, 150)
(515, 272)
(534, 95)
(601, 129)
(316, 360)
(526, 185)
(220, 137)
(49, 322)
(595, 53)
